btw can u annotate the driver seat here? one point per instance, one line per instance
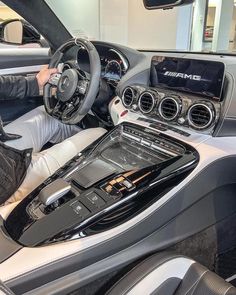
(170, 274)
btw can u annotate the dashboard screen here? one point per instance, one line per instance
(201, 77)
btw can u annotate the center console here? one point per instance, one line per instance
(113, 180)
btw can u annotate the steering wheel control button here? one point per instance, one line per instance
(80, 209)
(54, 80)
(96, 200)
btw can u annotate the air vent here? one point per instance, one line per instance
(169, 108)
(200, 116)
(128, 97)
(146, 102)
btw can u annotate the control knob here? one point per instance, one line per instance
(181, 120)
(135, 107)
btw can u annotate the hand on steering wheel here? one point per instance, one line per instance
(75, 91)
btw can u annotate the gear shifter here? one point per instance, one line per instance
(54, 191)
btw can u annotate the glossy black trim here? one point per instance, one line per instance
(152, 233)
(8, 247)
(75, 217)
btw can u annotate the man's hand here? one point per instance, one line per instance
(44, 75)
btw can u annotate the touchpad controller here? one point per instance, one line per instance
(92, 173)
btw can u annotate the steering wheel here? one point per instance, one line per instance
(75, 90)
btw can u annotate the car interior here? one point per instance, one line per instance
(149, 207)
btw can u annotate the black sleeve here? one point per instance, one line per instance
(17, 87)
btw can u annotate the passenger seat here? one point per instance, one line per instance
(170, 274)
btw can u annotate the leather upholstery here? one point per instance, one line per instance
(170, 274)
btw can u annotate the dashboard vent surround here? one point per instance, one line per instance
(146, 102)
(169, 108)
(200, 116)
(128, 97)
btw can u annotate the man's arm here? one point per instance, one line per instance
(18, 87)
(13, 87)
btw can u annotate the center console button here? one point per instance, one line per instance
(96, 200)
(80, 209)
(111, 191)
(127, 184)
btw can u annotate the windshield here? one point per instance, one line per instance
(201, 27)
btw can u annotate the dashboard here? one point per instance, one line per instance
(207, 107)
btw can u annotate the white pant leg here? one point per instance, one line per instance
(44, 164)
(37, 128)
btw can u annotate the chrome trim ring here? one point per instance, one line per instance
(123, 59)
(153, 102)
(191, 123)
(123, 97)
(178, 107)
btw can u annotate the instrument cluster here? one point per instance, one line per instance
(114, 64)
(112, 69)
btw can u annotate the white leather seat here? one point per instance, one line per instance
(38, 128)
(45, 163)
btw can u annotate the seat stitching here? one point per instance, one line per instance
(197, 282)
(230, 287)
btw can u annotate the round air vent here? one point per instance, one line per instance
(169, 108)
(200, 116)
(146, 102)
(128, 96)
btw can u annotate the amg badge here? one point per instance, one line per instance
(183, 76)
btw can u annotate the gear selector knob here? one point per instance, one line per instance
(54, 191)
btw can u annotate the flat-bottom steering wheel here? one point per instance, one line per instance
(75, 91)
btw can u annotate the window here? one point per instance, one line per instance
(206, 25)
(15, 31)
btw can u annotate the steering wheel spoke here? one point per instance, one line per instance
(56, 109)
(82, 87)
(68, 110)
(75, 89)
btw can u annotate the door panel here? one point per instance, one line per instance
(21, 61)
(23, 57)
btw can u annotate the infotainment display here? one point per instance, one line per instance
(201, 77)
